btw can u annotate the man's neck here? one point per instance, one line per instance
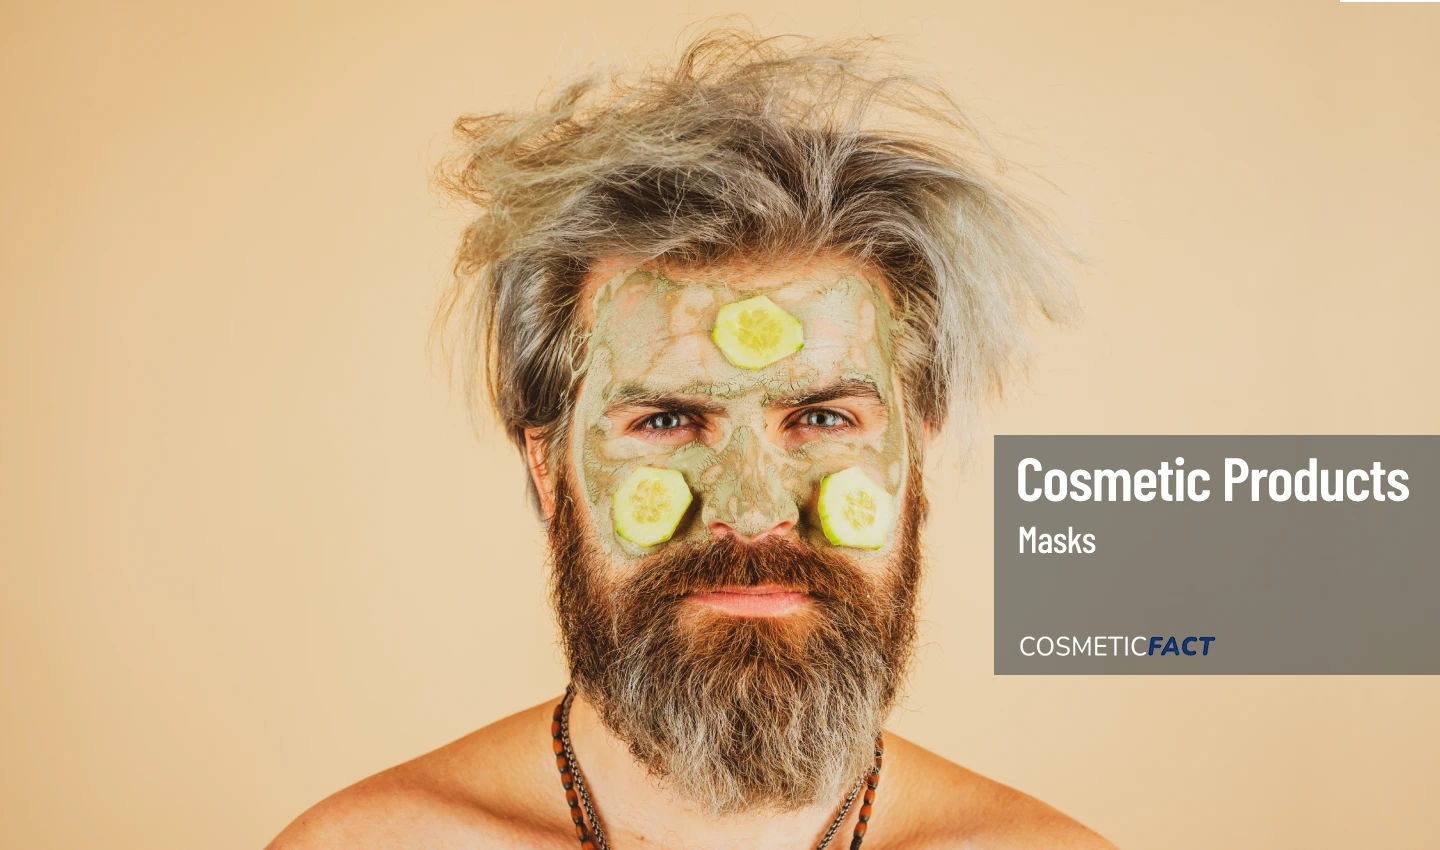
(634, 806)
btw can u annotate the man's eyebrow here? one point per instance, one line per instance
(845, 388)
(633, 396)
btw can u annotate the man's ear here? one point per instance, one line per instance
(537, 458)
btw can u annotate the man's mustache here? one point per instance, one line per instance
(710, 565)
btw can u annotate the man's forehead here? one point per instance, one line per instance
(654, 327)
(611, 277)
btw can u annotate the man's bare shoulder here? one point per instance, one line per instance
(475, 791)
(940, 804)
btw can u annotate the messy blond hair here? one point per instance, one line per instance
(744, 148)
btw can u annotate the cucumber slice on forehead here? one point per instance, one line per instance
(755, 332)
(648, 505)
(854, 510)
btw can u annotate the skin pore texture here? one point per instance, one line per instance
(753, 447)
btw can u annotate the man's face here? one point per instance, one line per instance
(753, 444)
(747, 658)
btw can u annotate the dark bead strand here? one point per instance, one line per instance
(567, 781)
(868, 801)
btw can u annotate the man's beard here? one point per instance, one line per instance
(739, 713)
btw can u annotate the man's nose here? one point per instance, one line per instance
(749, 501)
(724, 529)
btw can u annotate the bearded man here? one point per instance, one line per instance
(722, 314)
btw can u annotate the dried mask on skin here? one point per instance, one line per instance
(658, 392)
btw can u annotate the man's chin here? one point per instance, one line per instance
(712, 635)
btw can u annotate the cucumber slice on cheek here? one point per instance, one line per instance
(854, 510)
(648, 505)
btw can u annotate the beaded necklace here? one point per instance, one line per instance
(576, 794)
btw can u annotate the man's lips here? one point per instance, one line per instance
(766, 600)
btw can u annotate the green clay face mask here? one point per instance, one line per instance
(753, 442)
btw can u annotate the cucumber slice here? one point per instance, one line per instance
(854, 510)
(754, 333)
(649, 504)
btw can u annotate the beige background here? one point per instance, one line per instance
(250, 551)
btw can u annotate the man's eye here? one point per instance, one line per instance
(665, 421)
(823, 419)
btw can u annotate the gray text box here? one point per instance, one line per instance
(1279, 586)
